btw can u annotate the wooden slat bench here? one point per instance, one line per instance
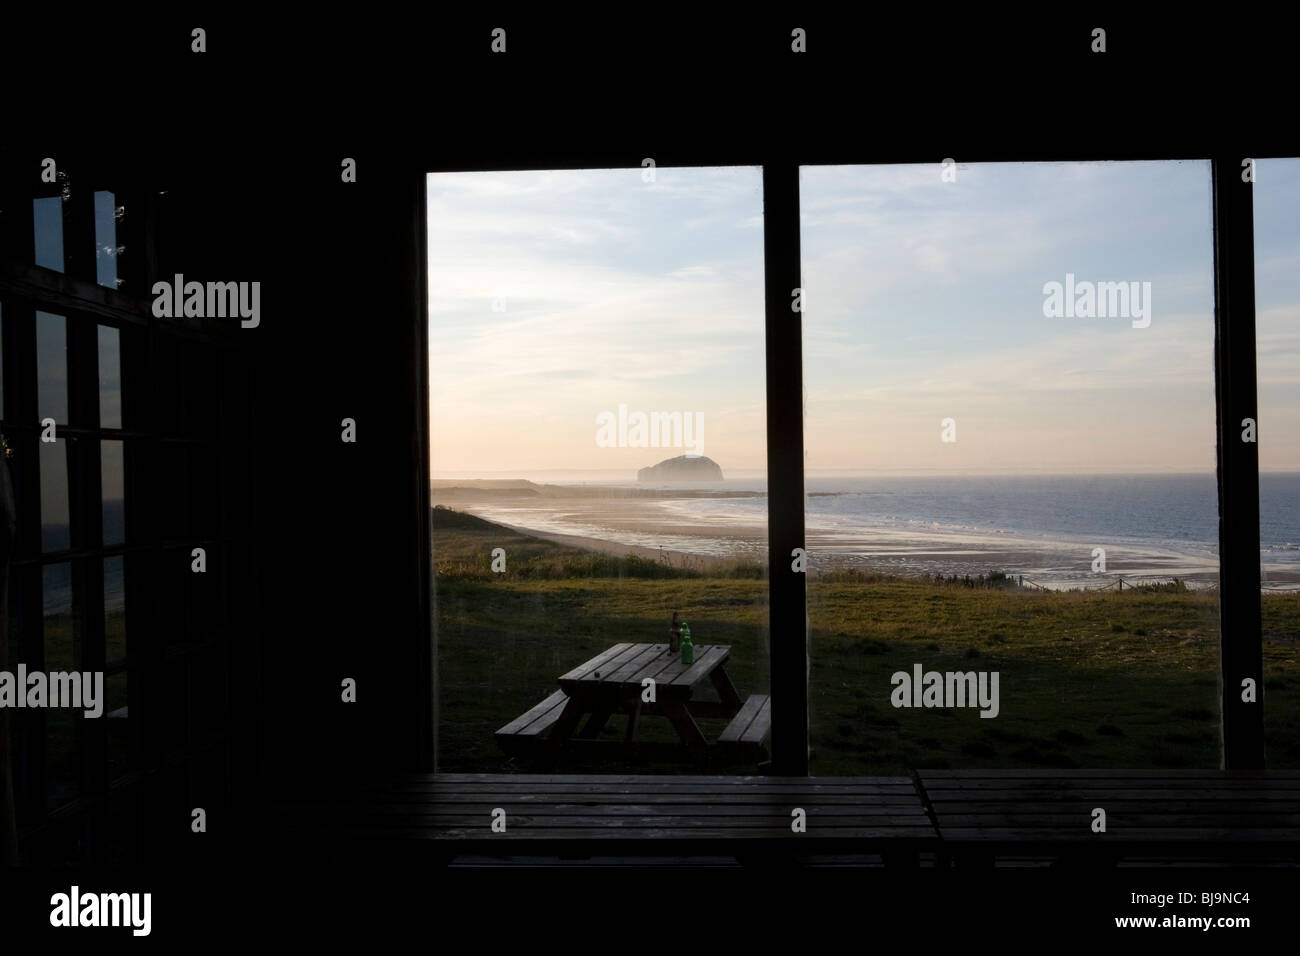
(1150, 814)
(750, 728)
(522, 734)
(594, 814)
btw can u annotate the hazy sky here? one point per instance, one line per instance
(1277, 311)
(923, 301)
(616, 291)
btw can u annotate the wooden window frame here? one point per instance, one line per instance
(76, 295)
(1241, 642)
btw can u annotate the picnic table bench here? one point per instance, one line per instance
(613, 682)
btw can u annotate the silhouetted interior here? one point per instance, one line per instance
(222, 687)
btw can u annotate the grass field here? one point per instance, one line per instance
(1102, 679)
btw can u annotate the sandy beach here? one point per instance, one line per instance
(694, 528)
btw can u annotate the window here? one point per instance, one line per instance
(598, 455)
(110, 377)
(1105, 535)
(106, 247)
(1277, 330)
(1011, 466)
(113, 424)
(47, 221)
(52, 367)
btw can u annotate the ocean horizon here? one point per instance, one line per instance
(1156, 526)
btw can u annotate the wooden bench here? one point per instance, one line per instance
(448, 815)
(1150, 814)
(750, 728)
(522, 735)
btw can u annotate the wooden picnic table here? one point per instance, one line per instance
(615, 681)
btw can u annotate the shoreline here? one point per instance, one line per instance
(651, 528)
(617, 549)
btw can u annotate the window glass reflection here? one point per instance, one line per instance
(110, 377)
(47, 225)
(112, 467)
(62, 724)
(115, 685)
(55, 531)
(106, 248)
(52, 367)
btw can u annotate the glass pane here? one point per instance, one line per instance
(112, 479)
(52, 367)
(598, 441)
(110, 377)
(106, 239)
(114, 609)
(62, 653)
(55, 529)
(1012, 508)
(1277, 331)
(47, 222)
(115, 685)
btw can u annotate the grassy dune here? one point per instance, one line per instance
(1102, 679)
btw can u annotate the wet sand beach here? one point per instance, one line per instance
(683, 529)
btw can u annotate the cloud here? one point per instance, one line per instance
(918, 294)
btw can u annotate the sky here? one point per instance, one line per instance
(556, 296)
(1277, 312)
(616, 292)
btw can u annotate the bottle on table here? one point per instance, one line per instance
(674, 635)
(688, 647)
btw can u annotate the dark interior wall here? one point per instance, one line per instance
(331, 577)
(340, 522)
(323, 579)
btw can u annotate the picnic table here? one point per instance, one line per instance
(615, 681)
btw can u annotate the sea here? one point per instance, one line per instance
(1045, 529)
(57, 591)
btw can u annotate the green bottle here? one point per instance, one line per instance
(688, 648)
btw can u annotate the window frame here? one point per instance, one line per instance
(1237, 462)
(208, 421)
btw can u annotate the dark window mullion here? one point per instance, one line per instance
(85, 463)
(785, 463)
(18, 243)
(144, 571)
(79, 230)
(26, 591)
(1240, 635)
(26, 600)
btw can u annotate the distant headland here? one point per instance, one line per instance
(682, 468)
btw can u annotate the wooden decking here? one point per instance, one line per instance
(981, 815)
(640, 814)
(961, 817)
